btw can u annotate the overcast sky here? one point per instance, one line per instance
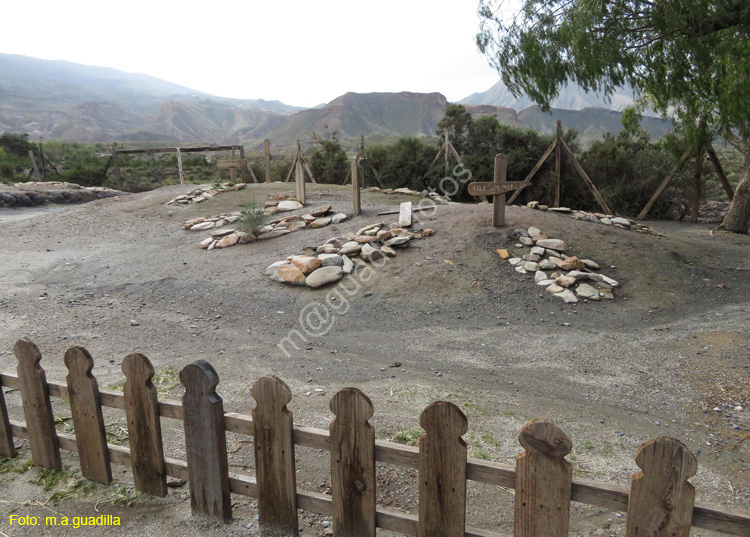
(300, 52)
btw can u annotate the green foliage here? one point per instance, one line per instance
(456, 122)
(685, 55)
(401, 164)
(627, 169)
(252, 217)
(16, 144)
(329, 162)
(409, 437)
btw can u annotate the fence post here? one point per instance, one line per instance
(37, 409)
(205, 441)
(7, 449)
(352, 464)
(86, 407)
(274, 458)
(144, 427)
(543, 482)
(661, 498)
(442, 471)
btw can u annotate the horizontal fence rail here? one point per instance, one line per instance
(659, 497)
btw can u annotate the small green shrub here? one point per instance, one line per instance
(252, 217)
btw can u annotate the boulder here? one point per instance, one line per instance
(273, 234)
(370, 253)
(291, 275)
(568, 296)
(553, 244)
(572, 263)
(398, 241)
(565, 281)
(350, 248)
(289, 205)
(320, 222)
(324, 276)
(320, 211)
(387, 250)
(273, 270)
(306, 264)
(245, 237)
(330, 260)
(584, 290)
(347, 265)
(229, 240)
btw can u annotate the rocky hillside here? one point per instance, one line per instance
(355, 114)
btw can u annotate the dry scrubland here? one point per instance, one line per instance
(670, 349)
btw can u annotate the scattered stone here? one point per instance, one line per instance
(133, 322)
(206, 242)
(514, 260)
(538, 251)
(338, 218)
(585, 290)
(606, 294)
(553, 244)
(540, 275)
(398, 241)
(273, 271)
(526, 241)
(554, 289)
(521, 270)
(308, 219)
(294, 226)
(571, 263)
(578, 275)
(547, 283)
(245, 237)
(503, 253)
(590, 264)
(531, 257)
(559, 209)
(427, 232)
(204, 192)
(568, 296)
(387, 250)
(203, 226)
(531, 266)
(218, 233)
(324, 276)
(621, 221)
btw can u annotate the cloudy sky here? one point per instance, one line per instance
(302, 53)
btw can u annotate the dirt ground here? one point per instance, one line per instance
(669, 356)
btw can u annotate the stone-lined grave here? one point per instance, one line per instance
(206, 192)
(596, 218)
(566, 277)
(339, 256)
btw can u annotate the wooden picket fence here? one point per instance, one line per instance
(660, 501)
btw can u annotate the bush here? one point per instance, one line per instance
(252, 217)
(329, 163)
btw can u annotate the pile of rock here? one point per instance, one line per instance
(223, 235)
(425, 193)
(340, 256)
(203, 193)
(558, 273)
(596, 218)
(33, 193)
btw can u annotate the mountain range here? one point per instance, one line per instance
(67, 101)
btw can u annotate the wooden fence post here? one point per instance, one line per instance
(442, 471)
(274, 458)
(299, 177)
(498, 200)
(661, 499)
(144, 427)
(7, 449)
(205, 441)
(37, 408)
(86, 407)
(355, 189)
(543, 482)
(352, 464)
(268, 160)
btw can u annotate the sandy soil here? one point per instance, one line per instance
(672, 347)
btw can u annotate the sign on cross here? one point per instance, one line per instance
(498, 188)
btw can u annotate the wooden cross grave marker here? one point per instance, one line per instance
(498, 188)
